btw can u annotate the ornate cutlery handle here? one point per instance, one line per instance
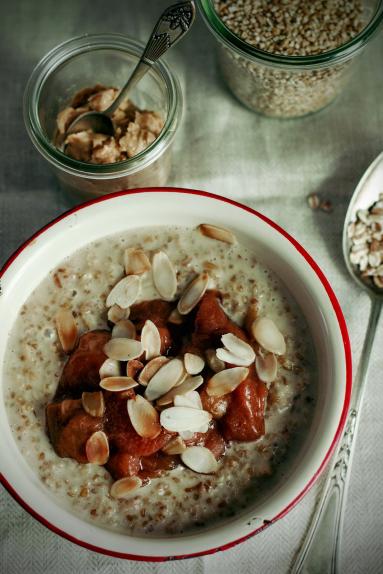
(172, 25)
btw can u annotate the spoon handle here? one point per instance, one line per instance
(320, 549)
(172, 25)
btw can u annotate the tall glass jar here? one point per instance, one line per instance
(106, 59)
(286, 86)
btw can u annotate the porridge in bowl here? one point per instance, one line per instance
(158, 381)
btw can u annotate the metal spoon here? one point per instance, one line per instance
(320, 550)
(173, 24)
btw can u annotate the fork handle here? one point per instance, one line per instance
(172, 25)
(320, 550)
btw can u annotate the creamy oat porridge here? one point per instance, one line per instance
(190, 378)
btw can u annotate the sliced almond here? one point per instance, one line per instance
(190, 399)
(218, 233)
(144, 417)
(232, 359)
(179, 419)
(97, 448)
(226, 381)
(200, 459)
(136, 261)
(110, 368)
(117, 384)
(215, 364)
(124, 329)
(187, 434)
(123, 349)
(164, 276)
(132, 368)
(117, 313)
(267, 334)
(125, 292)
(193, 294)
(165, 378)
(182, 379)
(238, 348)
(193, 363)
(175, 446)
(93, 403)
(204, 428)
(67, 330)
(150, 369)
(229, 358)
(176, 318)
(124, 487)
(189, 384)
(150, 340)
(266, 367)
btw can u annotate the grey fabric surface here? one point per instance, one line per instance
(222, 147)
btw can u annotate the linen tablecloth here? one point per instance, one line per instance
(222, 147)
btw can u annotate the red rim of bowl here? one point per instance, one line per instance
(348, 364)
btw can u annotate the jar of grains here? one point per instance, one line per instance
(288, 58)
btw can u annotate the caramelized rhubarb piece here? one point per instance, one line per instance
(217, 406)
(81, 371)
(122, 464)
(156, 310)
(121, 434)
(244, 419)
(58, 414)
(156, 464)
(69, 428)
(215, 442)
(133, 368)
(212, 440)
(166, 340)
(211, 323)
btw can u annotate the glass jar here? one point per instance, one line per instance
(106, 59)
(286, 86)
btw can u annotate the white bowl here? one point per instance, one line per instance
(127, 210)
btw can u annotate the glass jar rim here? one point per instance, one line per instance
(331, 57)
(63, 52)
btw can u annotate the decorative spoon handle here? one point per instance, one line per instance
(320, 549)
(172, 25)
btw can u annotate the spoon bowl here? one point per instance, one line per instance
(365, 194)
(97, 122)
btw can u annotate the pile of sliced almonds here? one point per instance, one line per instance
(237, 352)
(169, 398)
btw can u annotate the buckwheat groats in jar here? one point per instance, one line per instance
(260, 40)
(159, 381)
